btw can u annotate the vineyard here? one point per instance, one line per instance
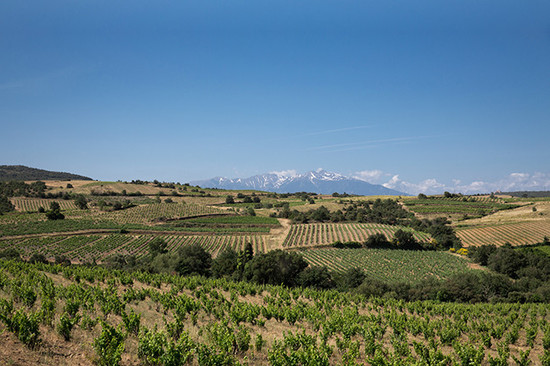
(33, 204)
(464, 206)
(389, 265)
(158, 212)
(93, 315)
(157, 217)
(324, 234)
(88, 248)
(520, 233)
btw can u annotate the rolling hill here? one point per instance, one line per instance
(21, 172)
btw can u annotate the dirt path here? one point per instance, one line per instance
(278, 235)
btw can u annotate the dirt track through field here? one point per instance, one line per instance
(278, 235)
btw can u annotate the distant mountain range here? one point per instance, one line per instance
(319, 181)
(20, 172)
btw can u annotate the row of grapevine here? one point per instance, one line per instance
(32, 204)
(327, 233)
(87, 248)
(159, 319)
(529, 232)
(389, 264)
(154, 212)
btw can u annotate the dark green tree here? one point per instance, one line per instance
(81, 202)
(193, 259)
(157, 246)
(352, 278)
(225, 264)
(10, 253)
(5, 205)
(317, 277)
(55, 212)
(377, 240)
(276, 267)
(404, 240)
(38, 258)
(244, 257)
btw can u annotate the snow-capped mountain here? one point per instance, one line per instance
(319, 181)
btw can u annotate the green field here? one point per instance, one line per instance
(469, 206)
(239, 220)
(88, 248)
(87, 313)
(390, 265)
(320, 234)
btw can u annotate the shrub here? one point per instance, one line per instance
(11, 254)
(81, 202)
(38, 258)
(55, 212)
(66, 324)
(377, 240)
(26, 327)
(131, 321)
(109, 345)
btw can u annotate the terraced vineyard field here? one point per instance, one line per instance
(83, 248)
(32, 204)
(529, 232)
(212, 243)
(457, 206)
(324, 234)
(389, 265)
(158, 211)
(147, 217)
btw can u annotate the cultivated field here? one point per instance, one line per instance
(390, 265)
(324, 233)
(529, 232)
(470, 206)
(519, 226)
(53, 315)
(33, 204)
(88, 248)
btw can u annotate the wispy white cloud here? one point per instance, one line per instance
(429, 186)
(338, 130)
(371, 176)
(512, 182)
(362, 144)
(291, 173)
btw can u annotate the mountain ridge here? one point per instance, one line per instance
(21, 172)
(319, 181)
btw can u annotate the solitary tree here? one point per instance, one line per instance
(404, 240)
(157, 246)
(5, 205)
(81, 202)
(55, 212)
(193, 259)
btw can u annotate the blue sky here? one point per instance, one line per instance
(431, 92)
